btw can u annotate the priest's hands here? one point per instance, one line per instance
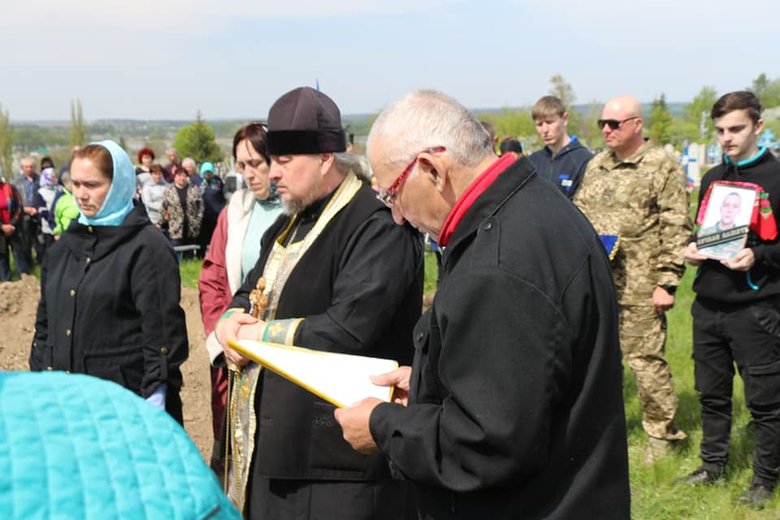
(233, 326)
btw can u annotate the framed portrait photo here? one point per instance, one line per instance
(726, 223)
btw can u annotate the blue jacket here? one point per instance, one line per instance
(565, 169)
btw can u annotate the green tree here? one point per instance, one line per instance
(587, 130)
(77, 134)
(660, 122)
(512, 122)
(197, 141)
(768, 91)
(6, 144)
(682, 132)
(565, 92)
(562, 90)
(760, 85)
(697, 113)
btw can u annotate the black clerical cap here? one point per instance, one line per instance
(305, 121)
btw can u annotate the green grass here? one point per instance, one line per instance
(189, 269)
(36, 269)
(431, 272)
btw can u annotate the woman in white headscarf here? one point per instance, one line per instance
(110, 288)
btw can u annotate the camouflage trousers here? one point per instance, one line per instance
(642, 341)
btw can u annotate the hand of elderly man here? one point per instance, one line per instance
(354, 421)
(399, 378)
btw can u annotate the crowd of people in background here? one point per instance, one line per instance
(182, 200)
(527, 330)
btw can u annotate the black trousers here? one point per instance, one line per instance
(15, 244)
(747, 335)
(27, 232)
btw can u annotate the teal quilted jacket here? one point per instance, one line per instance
(73, 446)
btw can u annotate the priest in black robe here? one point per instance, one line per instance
(335, 274)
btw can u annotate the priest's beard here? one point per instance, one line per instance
(291, 206)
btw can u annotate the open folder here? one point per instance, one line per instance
(340, 379)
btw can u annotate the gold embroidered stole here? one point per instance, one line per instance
(242, 421)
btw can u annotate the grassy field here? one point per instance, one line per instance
(189, 270)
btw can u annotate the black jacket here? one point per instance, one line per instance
(716, 282)
(359, 288)
(109, 307)
(516, 405)
(566, 168)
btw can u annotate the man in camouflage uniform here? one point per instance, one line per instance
(637, 191)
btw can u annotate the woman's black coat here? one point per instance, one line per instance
(110, 308)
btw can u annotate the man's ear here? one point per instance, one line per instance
(326, 161)
(434, 169)
(640, 125)
(759, 127)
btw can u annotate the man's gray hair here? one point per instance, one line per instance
(189, 160)
(347, 162)
(427, 118)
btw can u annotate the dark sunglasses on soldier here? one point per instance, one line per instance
(613, 124)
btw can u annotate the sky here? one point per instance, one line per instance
(169, 59)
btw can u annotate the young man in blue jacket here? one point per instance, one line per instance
(563, 159)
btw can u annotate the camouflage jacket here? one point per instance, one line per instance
(643, 200)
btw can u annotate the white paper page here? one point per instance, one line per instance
(342, 379)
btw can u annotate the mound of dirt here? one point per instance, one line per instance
(18, 303)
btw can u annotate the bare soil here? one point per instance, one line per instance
(18, 302)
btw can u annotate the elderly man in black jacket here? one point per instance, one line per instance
(513, 407)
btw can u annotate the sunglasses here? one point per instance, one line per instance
(613, 124)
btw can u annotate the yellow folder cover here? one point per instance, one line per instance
(340, 379)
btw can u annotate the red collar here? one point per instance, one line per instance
(472, 193)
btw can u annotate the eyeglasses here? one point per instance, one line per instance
(387, 196)
(613, 124)
(252, 163)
